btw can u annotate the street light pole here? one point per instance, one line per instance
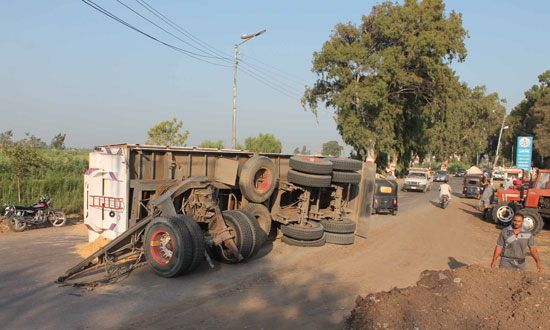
(246, 37)
(498, 145)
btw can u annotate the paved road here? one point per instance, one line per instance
(30, 262)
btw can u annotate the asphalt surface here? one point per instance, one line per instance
(32, 260)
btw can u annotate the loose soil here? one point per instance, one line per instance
(471, 297)
(86, 249)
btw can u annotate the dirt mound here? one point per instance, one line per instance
(471, 297)
(86, 249)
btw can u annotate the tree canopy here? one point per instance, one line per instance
(263, 143)
(167, 133)
(391, 86)
(211, 144)
(531, 118)
(332, 148)
(58, 142)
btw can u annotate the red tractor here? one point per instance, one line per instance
(532, 202)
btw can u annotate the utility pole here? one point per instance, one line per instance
(502, 127)
(246, 37)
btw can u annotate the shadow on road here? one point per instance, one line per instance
(454, 264)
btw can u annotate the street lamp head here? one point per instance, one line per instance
(249, 36)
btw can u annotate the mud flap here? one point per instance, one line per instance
(366, 193)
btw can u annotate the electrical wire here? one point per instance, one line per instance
(170, 33)
(128, 25)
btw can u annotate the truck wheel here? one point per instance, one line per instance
(244, 239)
(296, 242)
(168, 247)
(503, 212)
(309, 180)
(197, 238)
(346, 177)
(16, 225)
(340, 239)
(312, 165)
(261, 214)
(344, 226)
(344, 164)
(307, 232)
(258, 235)
(532, 220)
(258, 179)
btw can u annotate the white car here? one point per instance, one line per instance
(418, 181)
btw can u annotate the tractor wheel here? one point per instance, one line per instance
(309, 180)
(532, 220)
(197, 237)
(261, 214)
(503, 212)
(309, 231)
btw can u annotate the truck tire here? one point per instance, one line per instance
(259, 236)
(16, 225)
(296, 242)
(244, 238)
(309, 180)
(168, 247)
(197, 238)
(532, 220)
(261, 214)
(312, 165)
(258, 179)
(503, 212)
(346, 177)
(344, 226)
(307, 232)
(340, 239)
(344, 164)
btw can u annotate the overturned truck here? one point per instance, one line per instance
(176, 207)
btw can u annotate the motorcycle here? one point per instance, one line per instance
(42, 211)
(444, 201)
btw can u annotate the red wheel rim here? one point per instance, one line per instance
(162, 247)
(262, 180)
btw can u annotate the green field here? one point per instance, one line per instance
(61, 177)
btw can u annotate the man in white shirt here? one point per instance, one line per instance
(445, 189)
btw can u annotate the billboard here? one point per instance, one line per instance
(524, 152)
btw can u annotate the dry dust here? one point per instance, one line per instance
(86, 249)
(471, 297)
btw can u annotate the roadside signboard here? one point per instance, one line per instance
(524, 152)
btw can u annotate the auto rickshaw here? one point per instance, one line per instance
(472, 185)
(385, 196)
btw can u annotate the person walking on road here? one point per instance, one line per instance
(512, 244)
(486, 198)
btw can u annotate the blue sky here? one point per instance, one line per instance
(67, 68)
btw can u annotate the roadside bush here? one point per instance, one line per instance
(455, 166)
(60, 177)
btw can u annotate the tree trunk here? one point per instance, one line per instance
(18, 191)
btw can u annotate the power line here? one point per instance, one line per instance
(177, 27)
(170, 33)
(130, 26)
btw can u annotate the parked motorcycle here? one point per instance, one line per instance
(444, 201)
(42, 211)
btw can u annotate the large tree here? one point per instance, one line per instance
(530, 118)
(263, 143)
(167, 133)
(382, 76)
(58, 142)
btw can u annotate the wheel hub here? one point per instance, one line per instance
(505, 214)
(162, 247)
(528, 223)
